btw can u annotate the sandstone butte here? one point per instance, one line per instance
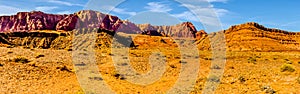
(252, 36)
(37, 20)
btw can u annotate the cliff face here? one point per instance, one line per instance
(36, 20)
(254, 37)
(26, 21)
(129, 28)
(200, 34)
(89, 19)
(55, 40)
(183, 30)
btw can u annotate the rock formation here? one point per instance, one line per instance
(254, 37)
(89, 19)
(200, 34)
(183, 30)
(27, 21)
(36, 20)
(129, 28)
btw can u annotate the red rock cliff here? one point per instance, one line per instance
(89, 19)
(26, 21)
(183, 30)
(36, 20)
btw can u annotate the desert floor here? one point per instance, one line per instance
(52, 71)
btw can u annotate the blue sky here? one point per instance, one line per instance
(210, 15)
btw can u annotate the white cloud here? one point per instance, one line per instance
(118, 10)
(187, 16)
(64, 3)
(223, 1)
(123, 11)
(207, 15)
(8, 10)
(210, 1)
(158, 7)
(45, 8)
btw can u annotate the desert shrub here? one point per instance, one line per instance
(65, 68)
(20, 60)
(252, 60)
(216, 67)
(287, 67)
(268, 90)
(80, 92)
(298, 79)
(39, 55)
(242, 79)
(118, 76)
(172, 66)
(213, 78)
(9, 52)
(289, 62)
(10, 46)
(207, 58)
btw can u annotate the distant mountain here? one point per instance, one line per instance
(183, 30)
(254, 37)
(37, 20)
(27, 21)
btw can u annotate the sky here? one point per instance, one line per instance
(209, 15)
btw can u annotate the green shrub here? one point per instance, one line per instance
(287, 67)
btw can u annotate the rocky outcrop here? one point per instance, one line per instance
(200, 34)
(27, 21)
(89, 19)
(183, 30)
(255, 26)
(68, 23)
(254, 37)
(43, 40)
(129, 28)
(36, 20)
(152, 33)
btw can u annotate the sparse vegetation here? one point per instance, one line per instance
(20, 59)
(39, 55)
(9, 52)
(252, 60)
(298, 79)
(172, 66)
(268, 90)
(216, 67)
(65, 68)
(213, 78)
(242, 79)
(118, 76)
(10, 46)
(288, 61)
(287, 67)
